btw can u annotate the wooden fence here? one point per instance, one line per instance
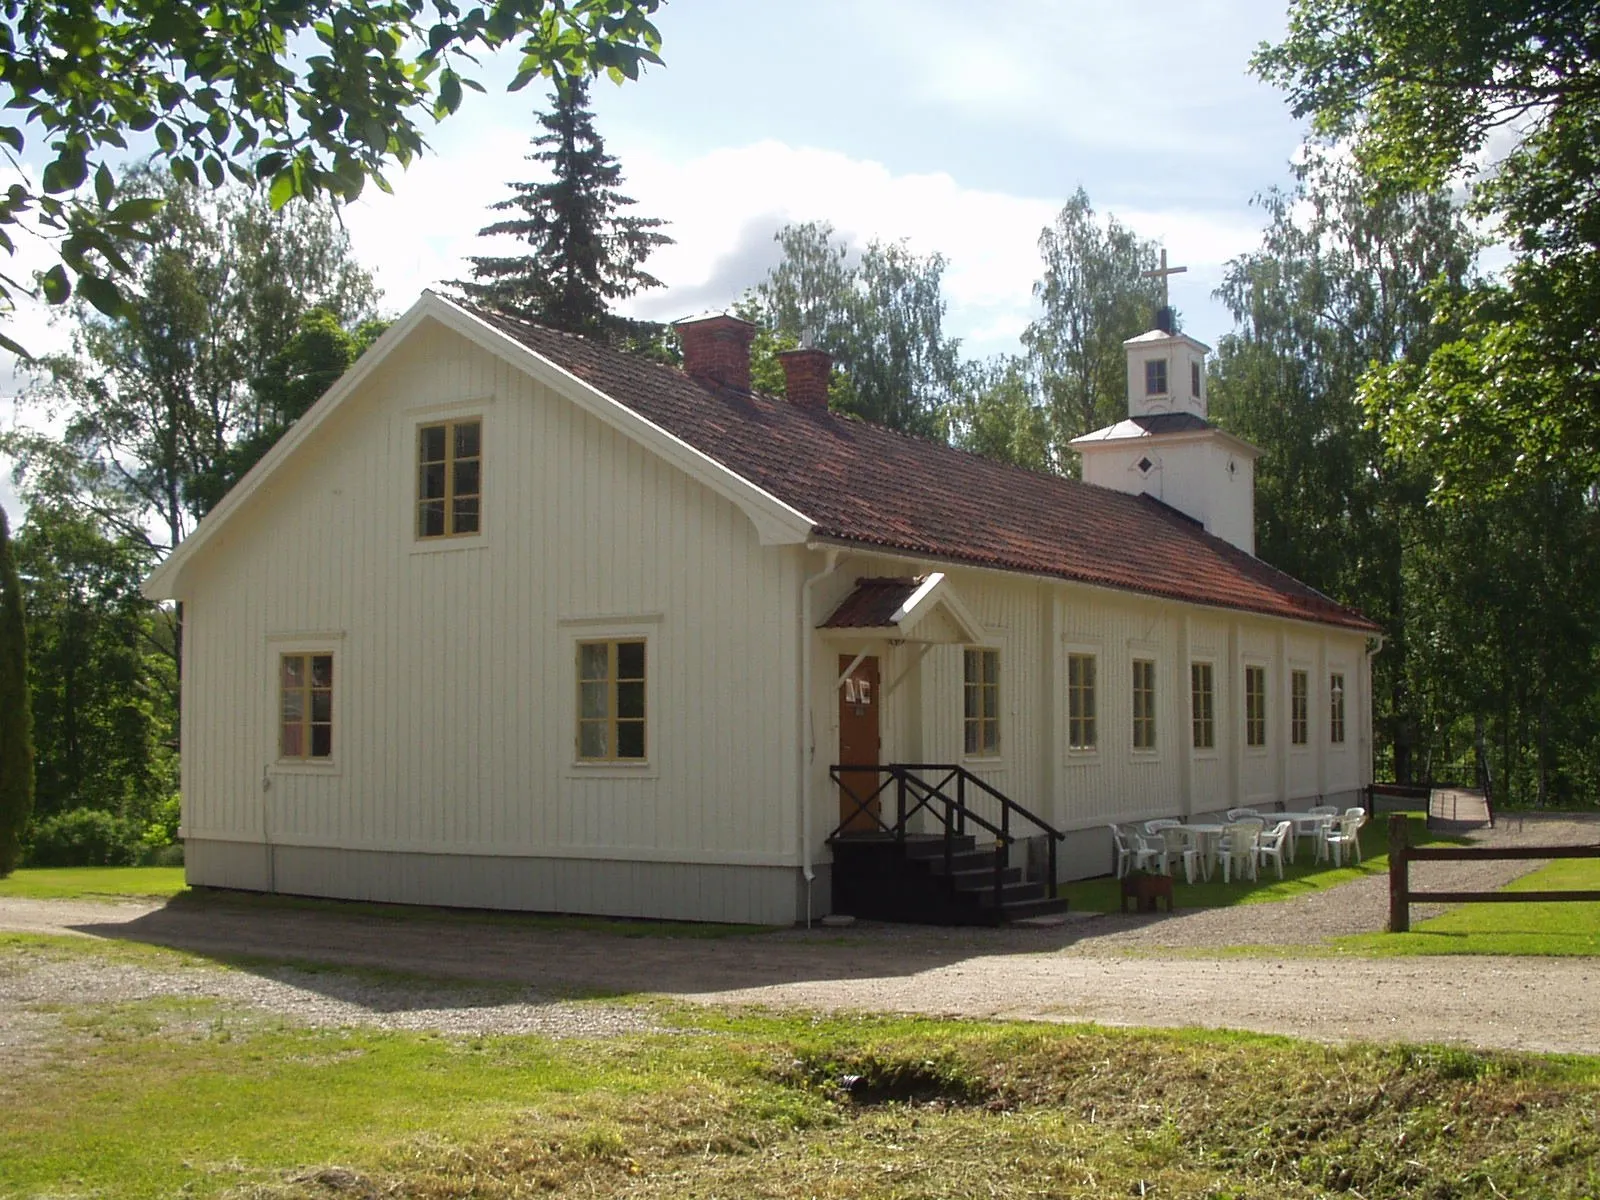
(1402, 854)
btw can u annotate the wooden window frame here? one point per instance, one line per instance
(1203, 705)
(976, 728)
(307, 691)
(1083, 717)
(1154, 367)
(451, 463)
(1255, 707)
(1144, 705)
(613, 721)
(1336, 697)
(1299, 707)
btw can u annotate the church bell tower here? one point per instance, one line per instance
(1167, 448)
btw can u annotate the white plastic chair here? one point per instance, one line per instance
(1272, 844)
(1238, 814)
(1346, 836)
(1159, 824)
(1237, 853)
(1150, 853)
(1179, 849)
(1123, 849)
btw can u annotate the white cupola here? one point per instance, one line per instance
(1167, 449)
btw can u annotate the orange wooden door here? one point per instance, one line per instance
(859, 742)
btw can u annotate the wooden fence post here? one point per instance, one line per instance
(1399, 874)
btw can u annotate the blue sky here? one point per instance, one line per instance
(958, 126)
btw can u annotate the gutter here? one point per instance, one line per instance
(807, 742)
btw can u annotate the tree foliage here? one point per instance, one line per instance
(16, 722)
(998, 416)
(158, 401)
(1425, 92)
(100, 662)
(880, 316)
(1094, 297)
(585, 249)
(313, 98)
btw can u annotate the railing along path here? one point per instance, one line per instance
(1402, 854)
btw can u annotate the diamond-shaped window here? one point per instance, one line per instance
(1144, 464)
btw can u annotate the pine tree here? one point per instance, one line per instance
(584, 251)
(16, 720)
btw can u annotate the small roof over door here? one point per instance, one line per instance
(905, 609)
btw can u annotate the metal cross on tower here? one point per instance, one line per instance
(1161, 273)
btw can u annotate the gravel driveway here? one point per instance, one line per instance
(515, 978)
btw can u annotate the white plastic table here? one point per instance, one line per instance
(1203, 837)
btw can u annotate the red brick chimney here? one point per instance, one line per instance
(805, 376)
(716, 350)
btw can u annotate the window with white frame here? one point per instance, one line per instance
(1155, 377)
(1144, 704)
(1255, 706)
(1336, 708)
(1194, 380)
(981, 696)
(1202, 705)
(1080, 702)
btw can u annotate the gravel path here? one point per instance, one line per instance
(1079, 970)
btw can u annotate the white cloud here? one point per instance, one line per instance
(724, 205)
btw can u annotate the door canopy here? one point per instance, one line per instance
(924, 609)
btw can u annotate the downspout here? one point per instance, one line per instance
(807, 743)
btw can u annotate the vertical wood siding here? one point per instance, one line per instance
(1035, 623)
(454, 666)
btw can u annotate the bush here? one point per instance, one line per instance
(162, 829)
(85, 837)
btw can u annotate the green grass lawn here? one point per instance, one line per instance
(1305, 875)
(186, 1097)
(1551, 929)
(79, 883)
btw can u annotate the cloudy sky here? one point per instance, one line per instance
(960, 127)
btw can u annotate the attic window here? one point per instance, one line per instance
(449, 478)
(1145, 465)
(1155, 377)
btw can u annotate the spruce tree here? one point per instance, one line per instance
(584, 250)
(16, 720)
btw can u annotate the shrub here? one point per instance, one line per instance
(85, 837)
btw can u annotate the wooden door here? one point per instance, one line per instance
(859, 741)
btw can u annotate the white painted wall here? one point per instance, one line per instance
(454, 662)
(1178, 353)
(1036, 623)
(1200, 475)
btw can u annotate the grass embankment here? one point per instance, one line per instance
(1535, 928)
(166, 1098)
(1303, 876)
(93, 883)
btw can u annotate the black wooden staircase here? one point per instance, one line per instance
(885, 871)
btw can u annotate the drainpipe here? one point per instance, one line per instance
(807, 730)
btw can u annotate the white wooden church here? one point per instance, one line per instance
(510, 620)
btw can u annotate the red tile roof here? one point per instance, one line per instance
(873, 604)
(863, 484)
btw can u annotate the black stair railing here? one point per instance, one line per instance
(945, 800)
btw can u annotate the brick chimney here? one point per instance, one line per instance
(716, 350)
(805, 376)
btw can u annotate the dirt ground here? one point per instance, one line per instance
(1113, 970)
